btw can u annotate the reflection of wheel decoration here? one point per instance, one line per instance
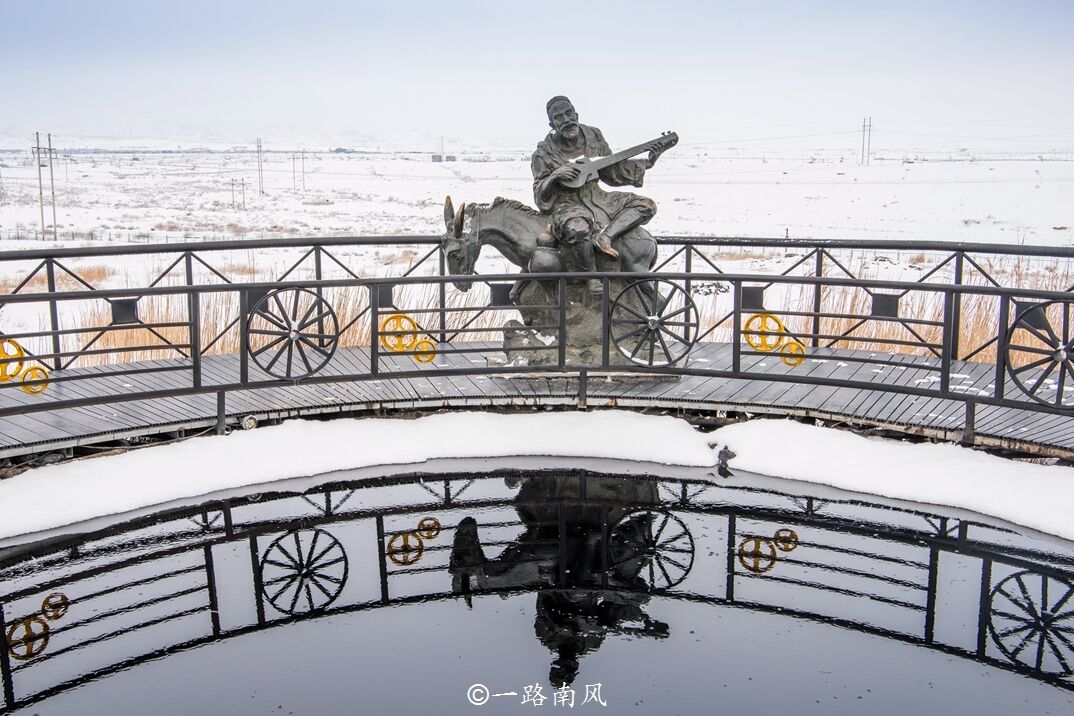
(757, 554)
(1040, 353)
(11, 349)
(653, 322)
(653, 545)
(293, 333)
(27, 638)
(303, 571)
(764, 332)
(1031, 620)
(398, 342)
(792, 353)
(786, 539)
(429, 528)
(54, 606)
(405, 548)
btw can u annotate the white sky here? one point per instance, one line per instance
(335, 72)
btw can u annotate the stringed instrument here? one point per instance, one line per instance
(590, 168)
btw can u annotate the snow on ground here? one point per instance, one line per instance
(700, 190)
(1035, 496)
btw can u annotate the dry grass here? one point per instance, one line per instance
(842, 310)
(95, 275)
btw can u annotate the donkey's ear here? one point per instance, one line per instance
(458, 220)
(449, 213)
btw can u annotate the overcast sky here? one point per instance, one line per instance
(328, 72)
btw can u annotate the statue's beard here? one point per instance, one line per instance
(569, 131)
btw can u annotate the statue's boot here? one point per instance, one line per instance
(604, 244)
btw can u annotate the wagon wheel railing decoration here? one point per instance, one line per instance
(1031, 620)
(399, 333)
(292, 332)
(1040, 353)
(303, 571)
(653, 322)
(653, 546)
(764, 332)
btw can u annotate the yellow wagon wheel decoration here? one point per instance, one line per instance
(764, 332)
(429, 528)
(757, 554)
(32, 374)
(10, 349)
(792, 353)
(405, 548)
(425, 351)
(54, 606)
(786, 539)
(27, 638)
(398, 342)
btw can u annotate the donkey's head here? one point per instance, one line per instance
(460, 247)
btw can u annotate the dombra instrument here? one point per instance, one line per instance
(590, 168)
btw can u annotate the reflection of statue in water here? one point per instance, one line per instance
(562, 554)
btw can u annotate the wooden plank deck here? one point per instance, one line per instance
(40, 432)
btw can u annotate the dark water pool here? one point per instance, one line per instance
(515, 592)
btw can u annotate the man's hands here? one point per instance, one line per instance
(567, 172)
(655, 150)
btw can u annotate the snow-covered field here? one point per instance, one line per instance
(700, 190)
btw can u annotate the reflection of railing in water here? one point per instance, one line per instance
(581, 540)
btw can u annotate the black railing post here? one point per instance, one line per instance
(736, 328)
(818, 289)
(374, 329)
(562, 333)
(221, 412)
(53, 312)
(689, 287)
(606, 322)
(443, 296)
(729, 587)
(1001, 340)
(193, 302)
(244, 336)
(970, 423)
(318, 274)
(945, 355)
(957, 308)
(382, 552)
(255, 564)
(930, 596)
(210, 585)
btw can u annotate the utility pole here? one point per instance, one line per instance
(244, 193)
(260, 173)
(862, 160)
(52, 187)
(294, 177)
(40, 182)
(232, 192)
(1, 186)
(303, 170)
(869, 142)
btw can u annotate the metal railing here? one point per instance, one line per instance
(813, 315)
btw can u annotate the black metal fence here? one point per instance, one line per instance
(965, 330)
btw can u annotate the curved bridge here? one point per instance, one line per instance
(938, 340)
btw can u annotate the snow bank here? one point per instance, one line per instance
(59, 495)
(1036, 496)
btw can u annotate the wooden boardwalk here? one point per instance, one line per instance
(1023, 430)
